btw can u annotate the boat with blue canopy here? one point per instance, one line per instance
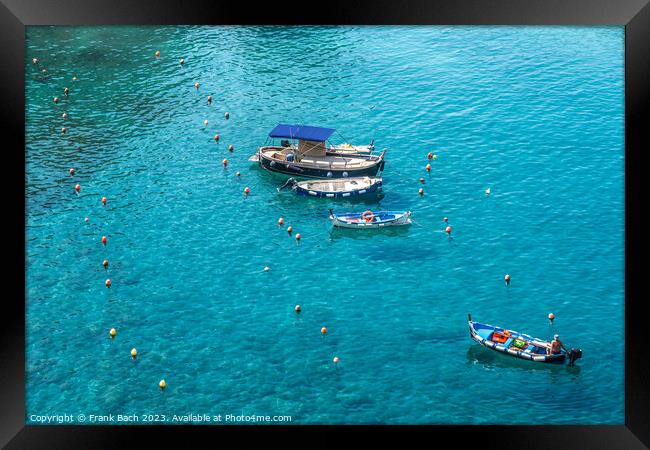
(518, 345)
(335, 188)
(303, 153)
(371, 219)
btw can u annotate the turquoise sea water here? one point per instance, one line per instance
(534, 113)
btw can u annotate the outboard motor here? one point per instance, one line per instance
(574, 354)
(290, 182)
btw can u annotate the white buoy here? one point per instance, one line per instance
(487, 191)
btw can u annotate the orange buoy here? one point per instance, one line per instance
(448, 230)
(77, 188)
(422, 180)
(56, 99)
(209, 99)
(430, 155)
(421, 191)
(226, 115)
(216, 138)
(297, 309)
(297, 236)
(289, 230)
(105, 264)
(428, 167)
(64, 130)
(104, 200)
(157, 53)
(108, 283)
(507, 279)
(551, 317)
(335, 360)
(196, 85)
(231, 148)
(225, 162)
(246, 190)
(238, 174)
(71, 171)
(280, 221)
(182, 61)
(66, 91)
(104, 240)
(112, 333)
(323, 330)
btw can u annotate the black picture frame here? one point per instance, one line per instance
(16, 14)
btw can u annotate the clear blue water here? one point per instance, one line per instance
(534, 113)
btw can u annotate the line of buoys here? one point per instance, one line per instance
(112, 333)
(104, 240)
(297, 309)
(231, 148)
(157, 53)
(105, 263)
(134, 353)
(77, 188)
(108, 282)
(225, 162)
(281, 221)
(507, 279)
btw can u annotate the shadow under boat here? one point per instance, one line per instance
(477, 354)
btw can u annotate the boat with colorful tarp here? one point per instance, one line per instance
(517, 344)
(303, 153)
(335, 188)
(371, 219)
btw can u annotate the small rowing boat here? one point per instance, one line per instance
(517, 344)
(335, 188)
(370, 219)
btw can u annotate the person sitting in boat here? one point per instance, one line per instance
(556, 346)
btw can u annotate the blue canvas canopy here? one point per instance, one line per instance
(302, 132)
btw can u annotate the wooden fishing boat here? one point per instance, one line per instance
(310, 158)
(335, 188)
(370, 219)
(517, 344)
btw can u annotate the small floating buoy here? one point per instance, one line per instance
(225, 162)
(71, 172)
(105, 263)
(104, 240)
(428, 167)
(34, 60)
(182, 61)
(108, 282)
(226, 115)
(134, 353)
(209, 99)
(487, 191)
(77, 188)
(297, 236)
(74, 78)
(66, 91)
(112, 333)
(246, 190)
(103, 200)
(445, 219)
(162, 384)
(448, 230)
(231, 148)
(421, 191)
(280, 221)
(323, 330)
(429, 155)
(196, 85)
(266, 268)
(205, 122)
(507, 279)
(289, 230)
(216, 138)
(56, 99)
(435, 157)
(64, 115)
(422, 180)
(238, 174)
(64, 130)
(86, 220)
(551, 317)
(157, 53)
(335, 360)
(297, 309)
